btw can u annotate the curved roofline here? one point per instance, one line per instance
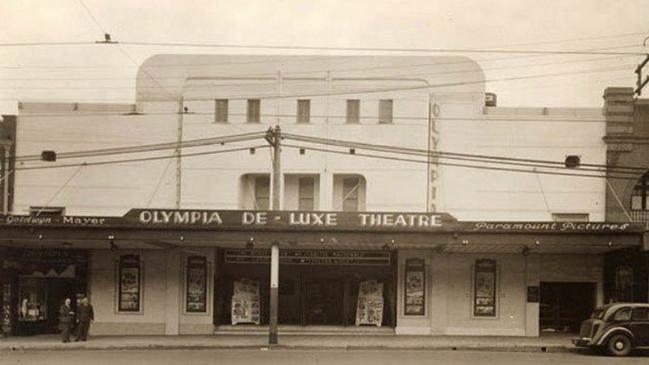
(163, 77)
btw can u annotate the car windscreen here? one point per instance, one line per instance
(597, 314)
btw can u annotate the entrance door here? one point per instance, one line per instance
(58, 290)
(324, 302)
(565, 305)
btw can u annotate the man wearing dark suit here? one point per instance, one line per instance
(66, 316)
(84, 317)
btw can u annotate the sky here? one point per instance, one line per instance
(106, 72)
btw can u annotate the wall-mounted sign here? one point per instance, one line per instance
(244, 219)
(415, 288)
(524, 227)
(196, 285)
(7, 318)
(308, 257)
(533, 294)
(484, 304)
(252, 220)
(129, 285)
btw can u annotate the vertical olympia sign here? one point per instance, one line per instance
(432, 167)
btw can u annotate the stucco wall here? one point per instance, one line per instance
(449, 295)
(163, 294)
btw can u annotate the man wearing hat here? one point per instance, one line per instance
(85, 315)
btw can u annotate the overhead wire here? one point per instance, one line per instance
(444, 154)
(149, 147)
(142, 159)
(492, 168)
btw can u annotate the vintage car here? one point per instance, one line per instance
(618, 328)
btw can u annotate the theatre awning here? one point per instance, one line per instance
(162, 228)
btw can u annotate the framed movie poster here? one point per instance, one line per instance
(415, 288)
(129, 292)
(196, 285)
(484, 304)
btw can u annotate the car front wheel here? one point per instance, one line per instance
(619, 345)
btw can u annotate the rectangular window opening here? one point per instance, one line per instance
(306, 193)
(262, 193)
(351, 185)
(304, 111)
(221, 111)
(385, 111)
(353, 111)
(254, 111)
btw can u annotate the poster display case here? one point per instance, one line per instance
(415, 288)
(246, 304)
(369, 308)
(129, 292)
(196, 285)
(484, 301)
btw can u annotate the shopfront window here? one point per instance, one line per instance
(32, 294)
(484, 294)
(129, 284)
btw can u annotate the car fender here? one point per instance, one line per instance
(613, 331)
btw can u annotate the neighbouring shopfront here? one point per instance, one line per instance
(197, 271)
(35, 284)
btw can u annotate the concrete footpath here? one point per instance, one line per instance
(546, 343)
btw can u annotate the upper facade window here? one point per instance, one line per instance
(303, 111)
(353, 111)
(221, 111)
(570, 217)
(262, 193)
(640, 192)
(306, 193)
(385, 111)
(253, 112)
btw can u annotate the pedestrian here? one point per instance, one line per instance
(85, 315)
(66, 316)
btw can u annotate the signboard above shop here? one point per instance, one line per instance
(252, 220)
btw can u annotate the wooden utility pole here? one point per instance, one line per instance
(274, 137)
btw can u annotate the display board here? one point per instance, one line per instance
(369, 309)
(246, 304)
(309, 257)
(196, 285)
(129, 293)
(415, 288)
(485, 288)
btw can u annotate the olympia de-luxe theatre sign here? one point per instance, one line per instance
(311, 220)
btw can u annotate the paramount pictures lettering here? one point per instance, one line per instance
(551, 226)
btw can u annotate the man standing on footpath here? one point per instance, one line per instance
(66, 316)
(84, 317)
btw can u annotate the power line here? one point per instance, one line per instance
(443, 154)
(367, 68)
(325, 48)
(111, 162)
(485, 117)
(374, 49)
(273, 83)
(400, 159)
(150, 147)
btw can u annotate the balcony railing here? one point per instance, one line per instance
(641, 216)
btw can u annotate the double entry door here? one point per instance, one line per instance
(310, 300)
